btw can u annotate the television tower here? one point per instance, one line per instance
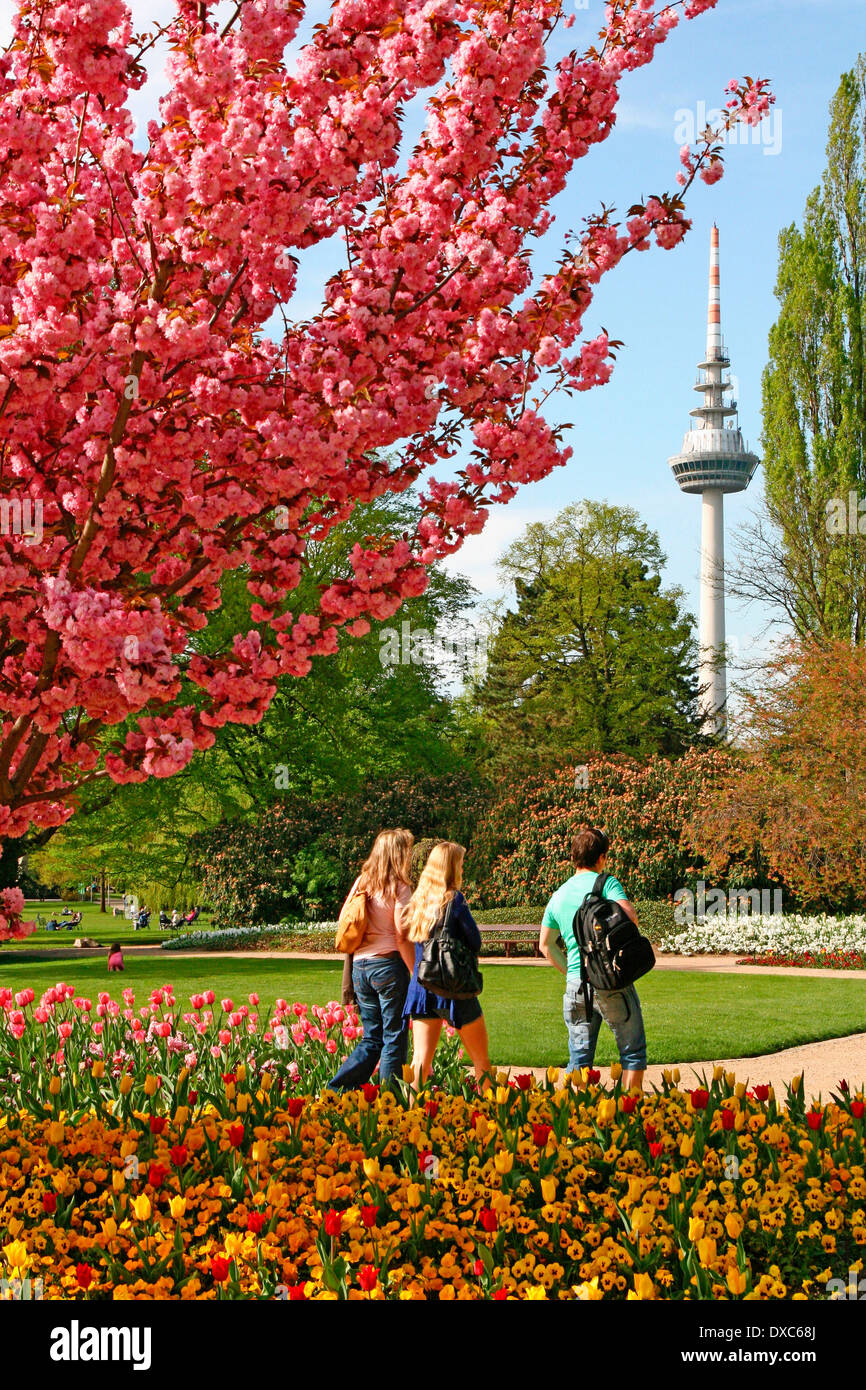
(713, 460)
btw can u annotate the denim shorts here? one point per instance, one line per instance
(620, 1010)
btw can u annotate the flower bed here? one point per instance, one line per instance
(277, 936)
(760, 935)
(160, 1152)
(527, 1192)
(816, 960)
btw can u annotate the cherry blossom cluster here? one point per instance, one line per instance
(149, 405)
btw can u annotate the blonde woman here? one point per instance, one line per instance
(438, 885)
(380, 969)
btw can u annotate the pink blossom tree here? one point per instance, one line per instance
(166, 434)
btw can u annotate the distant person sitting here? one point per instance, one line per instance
(164, 920)
(52, 924)
(175, 920)
(192, 917)
(143, 919)
(115, 957)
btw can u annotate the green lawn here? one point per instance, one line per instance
(689, 1016)
(100, 925)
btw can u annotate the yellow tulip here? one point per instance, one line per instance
(242, 1104)
(606, 1110)
(151, 1085)
(266, 1080)
(696, 1228)
(503, 1161)
(413, 1195)
(56, 1132)
(740, 1090)
(687, 1144)
(118, 1181)
(54, 1085)
(616, 1071)
(675, 1075)
(644, 1287)
(230, 1090)
(125, 1084)
(98, 1069)
(260, 1151)
(589, 1292)
(548, 1189)
(706, 1250)
(674, 1184)
(718, 1073)
(234, 1243)
(177, 1207)
(181, 1116)
(241, 1071)
(323, 1190)
(553, 1075)
(734, 1224)
(796, 1083)
(536, 1293)
(408, 1073)
(62, 1182)
(503, 1095)
(16, 1255)
(731, 1078)
(141, 1208)
(736, 1281)
(371, 1169)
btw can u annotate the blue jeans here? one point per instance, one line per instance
(380, 985)
(620, 1010)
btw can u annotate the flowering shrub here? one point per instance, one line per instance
(527, 1192)
(66, 1051)
(779, 934)
(12, 928)
(519, 851)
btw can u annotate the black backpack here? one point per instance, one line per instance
(613, 954)
(448, 965)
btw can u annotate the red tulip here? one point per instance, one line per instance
(333, 1223)
(655, 1150)
(814, 1118)
(193, 1097)
(431, 1109)
(156, 1175)
(294, 1106)
(524, 1080)
(219, 1267)
(84, 1275)
(368, 1277)
(489, 1219)
(501, 1295)
(700, 1098)
(650, 1131)
(296, 1293)
(368, 1216)
(762, 1093)
(370, 1091)
(158, 1123)
(236, 1135)
(593, 1076)
(857, 1108)
(540, 1135)
(255, 1222)
(178, 1155)
(629, 1105)
(728, 1119)
(49, 1203)
(478, 1267)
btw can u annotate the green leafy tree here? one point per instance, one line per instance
(807, 555)
(595, 656)
(356, 716)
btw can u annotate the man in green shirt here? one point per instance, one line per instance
(619, 1008)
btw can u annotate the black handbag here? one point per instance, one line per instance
(448, 966)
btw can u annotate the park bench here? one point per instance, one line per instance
(527, 930)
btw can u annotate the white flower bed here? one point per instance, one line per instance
(754, 935)
(240, 936)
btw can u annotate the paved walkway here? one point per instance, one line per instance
(823, 1065)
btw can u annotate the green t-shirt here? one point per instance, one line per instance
(560, 911)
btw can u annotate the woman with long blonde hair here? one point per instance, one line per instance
(439, 885)
(381, 964)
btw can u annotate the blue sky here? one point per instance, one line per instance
(655, 302)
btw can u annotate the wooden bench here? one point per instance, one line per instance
(525, 930)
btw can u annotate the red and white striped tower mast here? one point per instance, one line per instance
(714, 460)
